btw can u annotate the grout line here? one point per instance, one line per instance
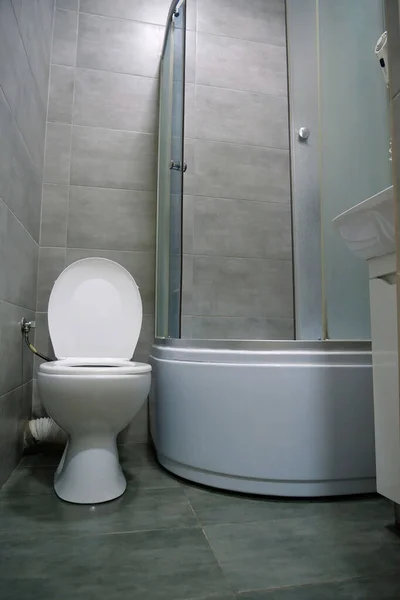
(85, 68)
(27, 55)
(224, 577)
(263, 258)
(14, 389)
(96, 187)
(72, 124)
(111, 129)
(211, 141)
(252, 92)
(285, 204)
(32, 310)
(92, 14)
(245, 40)
(20, 222)
(20, 131)
(313, 584)
(44, 163)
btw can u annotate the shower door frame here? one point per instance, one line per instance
(162, 278)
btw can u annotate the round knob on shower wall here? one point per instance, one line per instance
(304, 133)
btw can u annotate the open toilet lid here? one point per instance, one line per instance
(95, 311)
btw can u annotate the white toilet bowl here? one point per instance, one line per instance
(93, 391)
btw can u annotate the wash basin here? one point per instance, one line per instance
(368, 227)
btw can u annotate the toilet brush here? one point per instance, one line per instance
(43, 430)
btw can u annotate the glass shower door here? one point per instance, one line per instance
(170, 177)
(354, 121)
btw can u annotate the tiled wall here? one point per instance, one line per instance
(25, 41)
(99, 193)
(237, 280)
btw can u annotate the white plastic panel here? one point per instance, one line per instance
(95, 310)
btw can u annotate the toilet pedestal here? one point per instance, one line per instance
(89, 471)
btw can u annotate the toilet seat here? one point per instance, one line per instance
(95, 311)
(94, 366)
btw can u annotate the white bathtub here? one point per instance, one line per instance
(275, 418)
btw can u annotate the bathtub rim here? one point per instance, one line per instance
(319, 352)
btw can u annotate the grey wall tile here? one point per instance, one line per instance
(68, 4)
(393, 28)
(116, 101)
(42, 340)
(155, 11)
(35, 22)
(186, 327)
(190, 65)
(58, 153)
(191, 15)
(241, 65)
(37, 406)
(53, 231)
(115, 159)
(19, 86)
(20, 181)
(65, 38)
(265, 288)
(141, 265)
(16, 359)
(187, 284)
(241, 328)
(260, 21)
(51, 264)
(119, 45)
(111, 219)
(61, 94)
(189, 178)
(241, 117)
(243, 172)
(188, 224)
(19, 259)
(189, 110)
(146, 339)
(240, 228)
(10, 441)
(137, 431)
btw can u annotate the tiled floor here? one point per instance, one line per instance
(167, 540)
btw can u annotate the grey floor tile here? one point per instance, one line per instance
(174, 564)
(214, 507)
(141, 455)
(289, 552)
(26, 481)
(148, 477)
(42, 455)
(137, 510)
(47, 455)
(382, 587)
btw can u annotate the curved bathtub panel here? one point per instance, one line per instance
(290, 419)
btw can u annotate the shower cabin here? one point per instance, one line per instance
(270, 125)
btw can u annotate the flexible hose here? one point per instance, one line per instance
(33, 349)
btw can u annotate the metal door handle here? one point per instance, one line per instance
(176, 166)
(304, 133)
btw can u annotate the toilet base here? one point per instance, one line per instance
(89, 471)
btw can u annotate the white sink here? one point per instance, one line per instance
(368, 227)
